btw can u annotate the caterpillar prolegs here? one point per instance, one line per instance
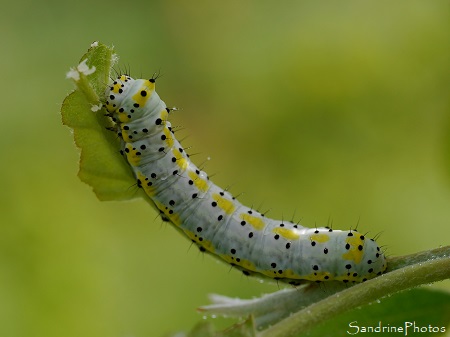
(212, 218)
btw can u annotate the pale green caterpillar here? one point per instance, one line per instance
(213, 219)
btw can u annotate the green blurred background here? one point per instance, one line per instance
(331, 110)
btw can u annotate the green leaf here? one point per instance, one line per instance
(417, 307)
(101, 165)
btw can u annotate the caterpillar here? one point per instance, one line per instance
(212, 218)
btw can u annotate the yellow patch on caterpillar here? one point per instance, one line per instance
(110, 107)
(118, 85)
(124, 131)
(226, 205)
(169, 213)
(132, 156)
(180, 160)
(164, 115)
(143, 94)
(350, 277)
(286, 233)
(246, 264)
(123, 117)
(320, 238)
(146, 185)
(319, 276)
(168, 137)
(289, 273)
(256, 222)
(356, 250)
(200, 183)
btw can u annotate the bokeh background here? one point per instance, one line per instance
(320, 111)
